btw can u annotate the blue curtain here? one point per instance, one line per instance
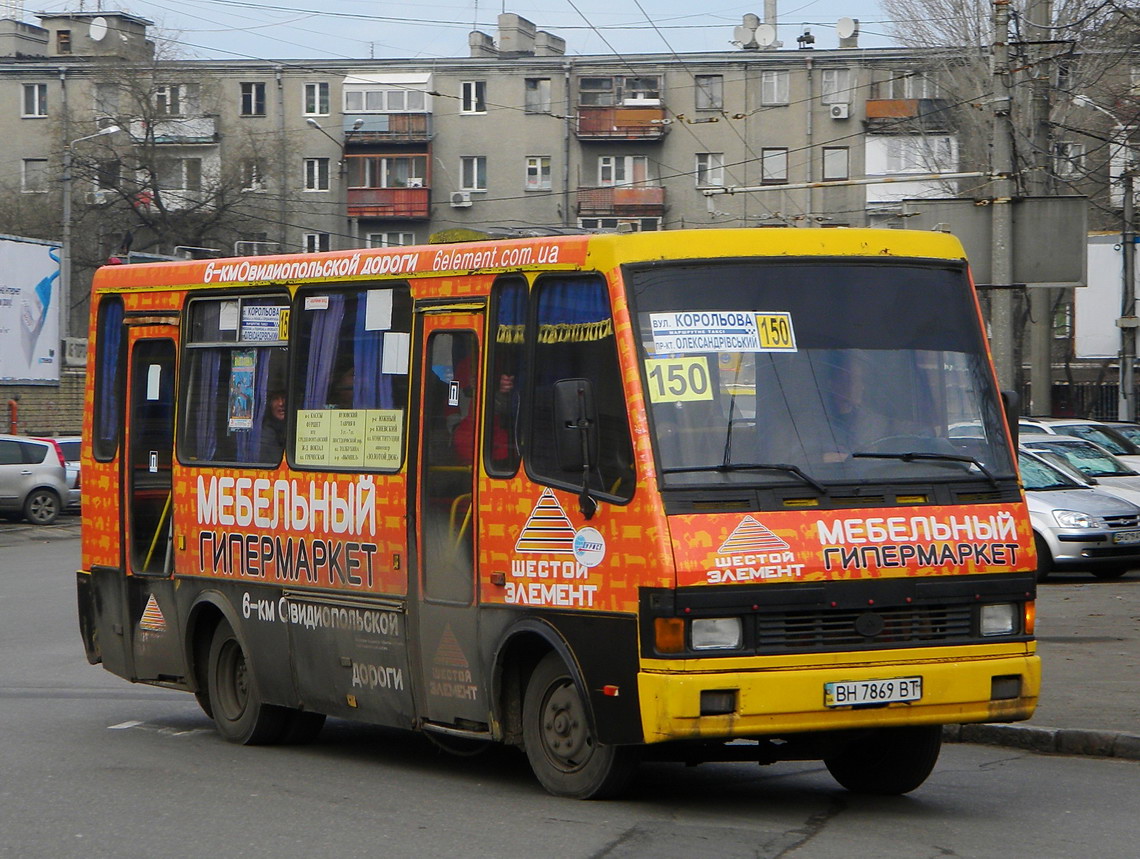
(206, 417)
(249, 441)
(323, 341)
(371, 388)
(110, 376)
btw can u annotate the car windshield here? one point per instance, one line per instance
(1037, 476)
(1129, 431)
(816, 372)
(1106, 438)
(1085, 457)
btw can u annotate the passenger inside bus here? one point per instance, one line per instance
(341, 390)
(273, 428)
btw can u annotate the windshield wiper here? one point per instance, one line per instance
(945, 457)
(752, 466)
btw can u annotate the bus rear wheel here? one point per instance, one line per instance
(887, 761)
(560, 742)
(239, 713)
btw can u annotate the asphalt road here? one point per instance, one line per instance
(93, 766)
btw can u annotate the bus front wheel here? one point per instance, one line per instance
(239, 713)
(559, 739)
(887, 761)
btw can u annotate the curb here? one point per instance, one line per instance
(1061, 741)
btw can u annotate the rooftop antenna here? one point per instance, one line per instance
(847, 29)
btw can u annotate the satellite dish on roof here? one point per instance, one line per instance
(765, 35)
(98, 29)
(845, 27)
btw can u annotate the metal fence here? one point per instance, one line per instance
(1092, 400)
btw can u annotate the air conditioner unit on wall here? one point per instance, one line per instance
(840, 111)
(460, 199)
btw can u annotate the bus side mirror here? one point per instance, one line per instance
(1011, 402)
(575, 425)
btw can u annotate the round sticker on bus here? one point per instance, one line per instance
(589, 547)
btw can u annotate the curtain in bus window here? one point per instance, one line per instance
(372, 388)
(507, 379)
(323, 352)
(206, 385)
(108, 368)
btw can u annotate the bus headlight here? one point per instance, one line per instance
(716, 633)
(999, 619)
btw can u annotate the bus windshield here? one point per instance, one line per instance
(816, 372)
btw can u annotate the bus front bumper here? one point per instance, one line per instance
(691, 704)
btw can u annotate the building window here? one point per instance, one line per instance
(622, 170)
(835, 163)
(710, 92)
(836, 86)
(389, 240)
(1069, 160)
(316, 99)
(918, 154)
(252, 174)
(33, 176)
(474, 97)
(633, 225)
(710, 169)
(537, 95)
(473, 173)
(774, 166)
(377, 99)
(107, 101)
(609, 91)
(386, 171)
(538, 173)
(35, 100)
(108, 174)
(168, 100)
(253, 99)
(317, 242)
(179, 174)
(63, 41)
(316, 174)
(909, 83)
(774, 86)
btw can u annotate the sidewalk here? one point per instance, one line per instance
(1088, 635)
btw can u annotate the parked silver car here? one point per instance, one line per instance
(1107, 436)
(33, 479)
(1078, 527)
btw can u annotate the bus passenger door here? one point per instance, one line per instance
(449, 390)
(147, 503)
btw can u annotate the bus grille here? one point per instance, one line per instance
(886, 627)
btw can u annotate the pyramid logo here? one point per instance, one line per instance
(548, 531)
(449, 652)
(750, 537)
(152, 618)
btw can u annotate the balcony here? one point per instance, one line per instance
(179, 130)
(622, 123)
(907, 114)
(387, 128)
(622, 201)
(390, 203)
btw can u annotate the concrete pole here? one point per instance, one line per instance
(65, 251)
(1128, 320)
(1002, 335)
(1039, 15)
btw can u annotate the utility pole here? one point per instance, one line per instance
(1128, 320)
(1039, 16)
(1002, 335)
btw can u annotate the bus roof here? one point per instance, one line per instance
(599, 251)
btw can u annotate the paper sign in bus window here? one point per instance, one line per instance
(261, 322)
(678, 380)
(722, 331)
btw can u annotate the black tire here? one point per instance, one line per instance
(1109, 573)
(238, 711)
(887, 761)
(1044, 558)
(301, 727)
(41, 507)
(560, 741)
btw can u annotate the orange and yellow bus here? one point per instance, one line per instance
(698, 495)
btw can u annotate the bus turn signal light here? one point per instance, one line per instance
(1030, 616)
(669, 634)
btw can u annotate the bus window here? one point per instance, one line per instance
(575, 340)
(508, 352)
(351, 379)
(108, 378)
(236, 376)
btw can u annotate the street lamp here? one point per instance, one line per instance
(65, 249)
(1127, 321)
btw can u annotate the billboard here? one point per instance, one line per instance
(29, 310)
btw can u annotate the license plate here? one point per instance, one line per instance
(855, 692)
(1126, 537)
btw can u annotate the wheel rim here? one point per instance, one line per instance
(233, 677)
(565, 732)
(41, 507)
